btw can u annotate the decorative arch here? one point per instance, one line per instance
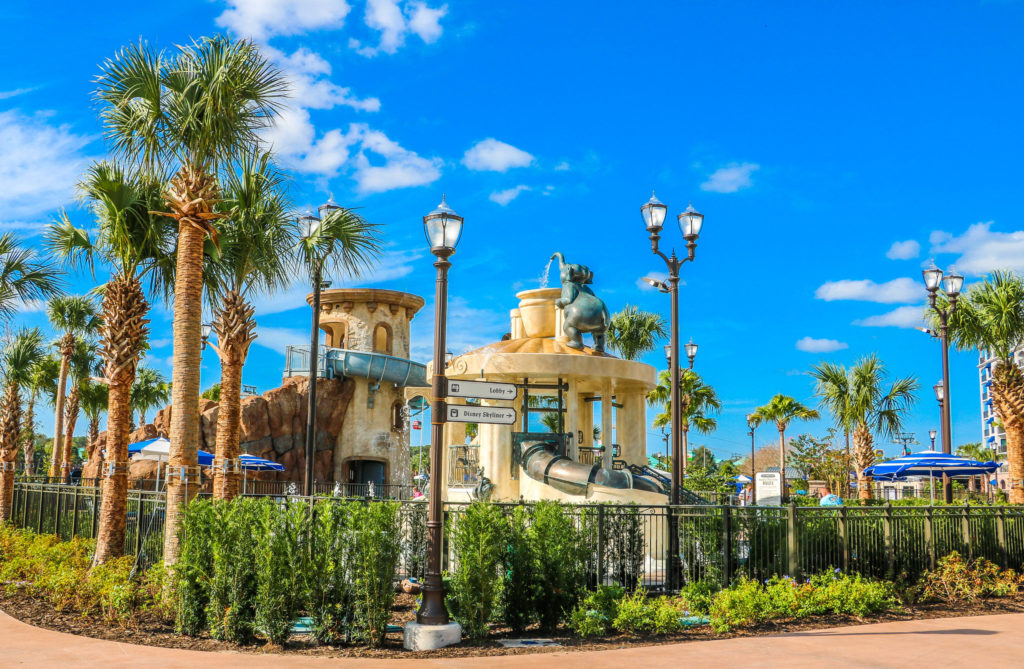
(382, 338)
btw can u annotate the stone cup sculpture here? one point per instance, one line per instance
(583, 311)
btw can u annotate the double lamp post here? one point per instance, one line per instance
(690, 223)
(950, 284)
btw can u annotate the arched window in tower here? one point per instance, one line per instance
(382, 339)
(340, 334)
(397, 417)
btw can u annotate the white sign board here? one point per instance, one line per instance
(474, 414)
(769, 489)
(482, 389)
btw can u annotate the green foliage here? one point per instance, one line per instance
(230, 611)
(698, 595)
(595, 614)
(279, 555)
(633, 332)
(375, 553)
(519, 591)
(748, 603)
(642, 615)
(329, 577)
(212, 393)
(58, 572)
(559, 573)
(476, 537)
(624, 545)
(958, 581)
(194, 568)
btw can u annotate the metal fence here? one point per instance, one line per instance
(629, 544)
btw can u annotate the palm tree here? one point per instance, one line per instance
(149, 391)
(857, 400)
(23, 276)
(94, 397)
(74, 316)
(135, 243)
(990, 316)
(194, 113)
(42, 379)
(781, 410)
(83, 362)
(256, 244)
(633, 332)
(698, 403)
(18, 359)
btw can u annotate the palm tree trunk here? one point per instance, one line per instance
(67, 348)
(234, 326)
(782, 462)
(29, 434)
(184, 437)
(123, 334)
(113, 512)
(10, 432)
(70, 419)
(863, 457)
(1008, 399)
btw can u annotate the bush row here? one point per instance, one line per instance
(248, 568)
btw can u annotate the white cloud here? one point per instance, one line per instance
(981, 250)
(812, 345)
(5, 95)
(562, 167)
(39, 163)
(503, 197)
(394, 21)
(401, 169)
(393, 264)
(494, 156)
(903, 250)
(277, 339)
(161, 342)
(30, 306)
(262, 19)
(731, 178)
(901, 317)
(865, 290)
(307, 73)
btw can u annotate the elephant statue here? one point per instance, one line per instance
(583, 311)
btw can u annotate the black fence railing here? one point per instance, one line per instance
(629, 544)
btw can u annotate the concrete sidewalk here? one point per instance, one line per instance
(995, 641)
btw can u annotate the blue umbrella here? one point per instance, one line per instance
(251, 463)
(929, 463)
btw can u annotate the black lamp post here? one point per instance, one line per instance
(309, 224)
(932, 433)
(691, 351)
(951, 284)
(752, 424)
(443, 228)
(690, 223)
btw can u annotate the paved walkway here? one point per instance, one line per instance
(995, 641)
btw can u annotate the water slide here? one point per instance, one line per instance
(340, 362)
(542, 461)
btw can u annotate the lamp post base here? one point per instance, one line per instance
(430, 637)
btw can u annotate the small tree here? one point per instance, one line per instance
(633, 332)
(781, 410)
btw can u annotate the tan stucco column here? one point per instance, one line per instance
(607, 436)
(496, 457)
(585, 419)
(571, 400)
(631, 424)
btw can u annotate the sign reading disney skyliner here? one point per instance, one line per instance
(477, 414)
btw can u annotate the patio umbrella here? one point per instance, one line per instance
(159, 450)
(251, 463)
(929, 463)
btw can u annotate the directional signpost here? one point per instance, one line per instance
(482, 389)
(455, 413)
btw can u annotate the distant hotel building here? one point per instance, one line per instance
(992, 434)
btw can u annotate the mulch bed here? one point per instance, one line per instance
(151, 631)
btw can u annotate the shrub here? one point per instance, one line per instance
(959, 581)
(375, 554)
(279, 593)
(477, 540)
(519, 591)
(697, 595)
(624, 545)
(193, 569)
(595, 614)
(231, 609)
(741, 605)
(328, 574)
(560, 567)
(639, 614)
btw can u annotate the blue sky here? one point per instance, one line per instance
(833, 148)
